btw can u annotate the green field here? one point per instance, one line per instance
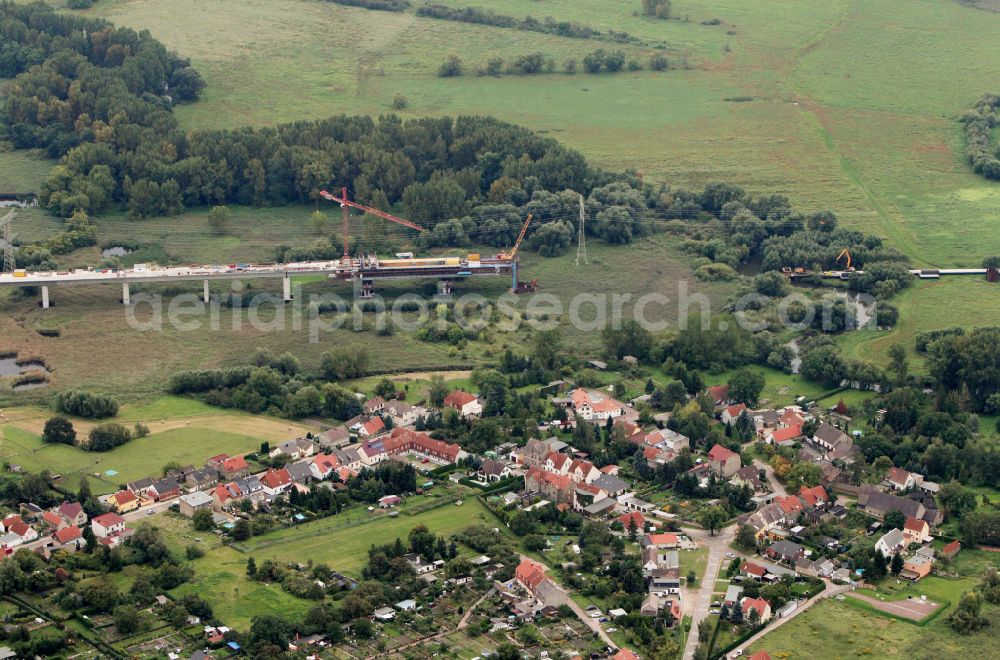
(22, 171)
(342, 541)
(137, 459)
(844, 630)
(928, 305)
(854, 101)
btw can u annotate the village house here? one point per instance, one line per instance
(389, 501)
(532, 454)
(323, 465)
(832, 441)
(402, 413)
(193, 502)
(106, 525)
(234, 468)
(373, 406)
(891, 542)
(72, 513)
(334, 438)
(124, 501)
(784, 437)
(719, 394)
(749, 476)
(916, 531)
(406, 441)
(731, 413)
(951, 550)
(815, 497)
(756, 608)
(294, 449)
(164, 489)
(593, 405)
(300, 472)
(374, 427)
(140, 486)
(663, 541)
(785, 551)
(276, 482)
(53, 520)
(68, 538)
(467, 405)
(878, 504)
(723, 462)
(557, 488)
(916, 567)
(752, 570)
(202, 479)
(492, 470)
(899, 479)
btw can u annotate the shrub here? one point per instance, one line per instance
(108, 436)
(658, 62)
(380, 5)
(399, 102)
(716, 273)
(569, 66)
(452, 66)
(86, 404)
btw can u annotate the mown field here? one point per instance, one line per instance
(854, 101)
(192, 439)
(928, 305)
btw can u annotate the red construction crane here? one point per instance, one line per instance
(346, 205)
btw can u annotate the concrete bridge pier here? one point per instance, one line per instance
(125, 294)
(206, 293)
(45, 297)
(286, 288)
(444, 288)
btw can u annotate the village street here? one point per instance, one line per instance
(697, 607)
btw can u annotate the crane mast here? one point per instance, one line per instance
(346, 205)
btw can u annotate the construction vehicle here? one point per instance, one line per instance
(848, 267)
(527, 287)
(346, 205)
(512, 255)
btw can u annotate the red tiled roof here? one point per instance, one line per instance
(951, 548)
(626, 520)
(790, 504)
(787, 433)
(897, 475)
(760, 655)
(529, 573)
(373, 426)
(752, 569)
(624, 654)
(221, 493)
(70, 510)
(109, 519)
(20, 528)
(915, 525)
(458, 399)
(276, 478)
(560, 481)
(758, 604)
(813, 495)
(734, 411)
(234, 464)
(53, 519)
(67, 534)
(406, 440)
(665, 538)
(719, 392)
(11, 519)
(719, 454)
(124, 497)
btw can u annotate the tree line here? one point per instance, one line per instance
(529, 64)
(979, 121)
(547, 25)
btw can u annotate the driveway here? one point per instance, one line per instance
(776, 485)
(593, 624)
(697, 606)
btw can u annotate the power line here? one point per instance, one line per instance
(581, 238)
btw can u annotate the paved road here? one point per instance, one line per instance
(697, 607)
(831, 590)
(771, 479)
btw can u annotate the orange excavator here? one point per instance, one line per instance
(847, 267)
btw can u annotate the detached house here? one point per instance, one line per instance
(785, 551)
(402, 413)
(891, 542)
(125, 501)
(373, 405)
(335, 438)
(140, 486)
(916, 531)
(276, 481)
(899, 479)
(73, 513)
(756, 608)
(164, 489)
(815, 497)
(468, 405)
(108, 524)
(69, 539)
(731, 413)
(372, 428)
(591, 405)
(723, 462)
(234, 468)
(832, 441)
